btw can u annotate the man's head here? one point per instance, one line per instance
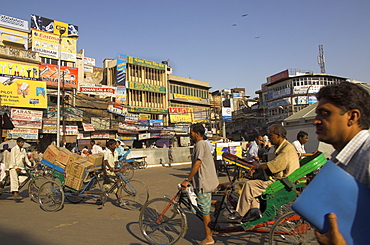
(197, 132)
(118, 143)
(302, 137)
(20, 142)
(92, 142)
(277, 134)
(341, 113)
(111, 144)
(259, 140)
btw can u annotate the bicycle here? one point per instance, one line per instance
(163, 220)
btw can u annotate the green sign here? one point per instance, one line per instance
(146, 63)
(147, 110)
(146, 87)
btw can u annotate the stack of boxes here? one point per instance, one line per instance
(76, 168)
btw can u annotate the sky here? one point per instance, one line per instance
(211, 40)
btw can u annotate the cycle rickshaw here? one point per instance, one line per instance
(132, 193)
(163, 220)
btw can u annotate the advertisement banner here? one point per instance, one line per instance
(70, 113)
(146, 63)
(88, 127)
(22, 93)
(121, 69)
(146, 87)
(127, 128)
(47, 45)
(117, 108)
(144, 136)
(186, 97)
(147, 110)
(89, 61)
(97, 89)
(129, 117)
(23, 118)
(100, 123)
(121, 94)
(52, 26)
(180, 114)
(18, 70)
(28, 134)
(100, 135)
(306, 89)
(278, 76)
(13, 23)
(226, 114)
(200, 115)
(68, 75)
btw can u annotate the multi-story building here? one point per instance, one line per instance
(291, 90)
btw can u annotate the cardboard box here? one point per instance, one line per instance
(78, 169)
(51, 153)
(96, 159)
(59, 164)
(74, 183)
(65, 156)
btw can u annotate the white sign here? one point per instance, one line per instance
(13, 23)
(97, 89)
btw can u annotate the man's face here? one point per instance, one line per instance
(331, 123)
(20, 144)
(259, 140)
(274, 138)
(303, 140)
(91, 143)
(193, 135)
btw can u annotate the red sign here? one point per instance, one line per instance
(178, 110)
(68, 78)
(278, 76)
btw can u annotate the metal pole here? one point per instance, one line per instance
(62, 30)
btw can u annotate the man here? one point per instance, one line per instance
(302, 138)
(95, 148)
(18, 158)
(170, 156)
(5, 161)
(110, 163)
(343, 120)
(120, 150)
(253, 150)
(203, 177)
(285, 162)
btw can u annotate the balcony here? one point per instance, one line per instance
(19, 54)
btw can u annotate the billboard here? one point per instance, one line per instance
(180, 114)
(23, 118)
(121, 69)
(52, 26)
(13, 23)
(22, 93)
(146, 87)
(278, 76)
(68, 78)
(14, 70)
(47, 44)
(121, 94)
(146, 63)
(97, 89)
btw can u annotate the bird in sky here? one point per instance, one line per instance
(257, 37)
(244, 15)
(234, 24)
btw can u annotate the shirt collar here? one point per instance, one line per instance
(345, 155)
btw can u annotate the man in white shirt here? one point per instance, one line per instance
(18, 158)
(252, 154)
(302, 138)
(95, 148)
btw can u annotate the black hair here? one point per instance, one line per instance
(348, 96)
(111, 142)
(279, 130)
(92, 141)
(198, 128)
(301, 134)
(20, 139)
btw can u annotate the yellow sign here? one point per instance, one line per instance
(47, 44)
(19, 69)
(186, 97)
(22, 93)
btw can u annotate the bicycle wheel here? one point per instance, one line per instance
(161, 222)
(292, 229)
(51, 196)
(34, 186)
(129, 171)
(72, 196)
(133, 194)
(144, 164)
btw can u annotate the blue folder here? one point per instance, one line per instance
(333, 190)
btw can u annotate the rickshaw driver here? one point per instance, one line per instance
(285, 162)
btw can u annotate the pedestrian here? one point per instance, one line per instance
(18, 162)
(95, 149)
(5, 161)
(343, 120)
(170, 156)
(254, 149)
(85, 151)
(302, 138)
(202, 177)
(110, 163)
(120, 150)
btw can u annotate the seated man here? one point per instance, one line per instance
(253, 150)
(302, 138)
(285, 162)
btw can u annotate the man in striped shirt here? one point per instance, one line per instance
(343, 120)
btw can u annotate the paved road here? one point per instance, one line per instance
(84, 223)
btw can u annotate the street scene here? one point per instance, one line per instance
(184, 122)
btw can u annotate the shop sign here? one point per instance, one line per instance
(121, 69)
(17, 70)
(29, 134)
(146, 63)
(22, 118)
(68, 75)
(186, 97)
(88, 127)
(22, 93)
(147, 110)
(146, 87)
(100, 123)
(100, 135)
(97, 89)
